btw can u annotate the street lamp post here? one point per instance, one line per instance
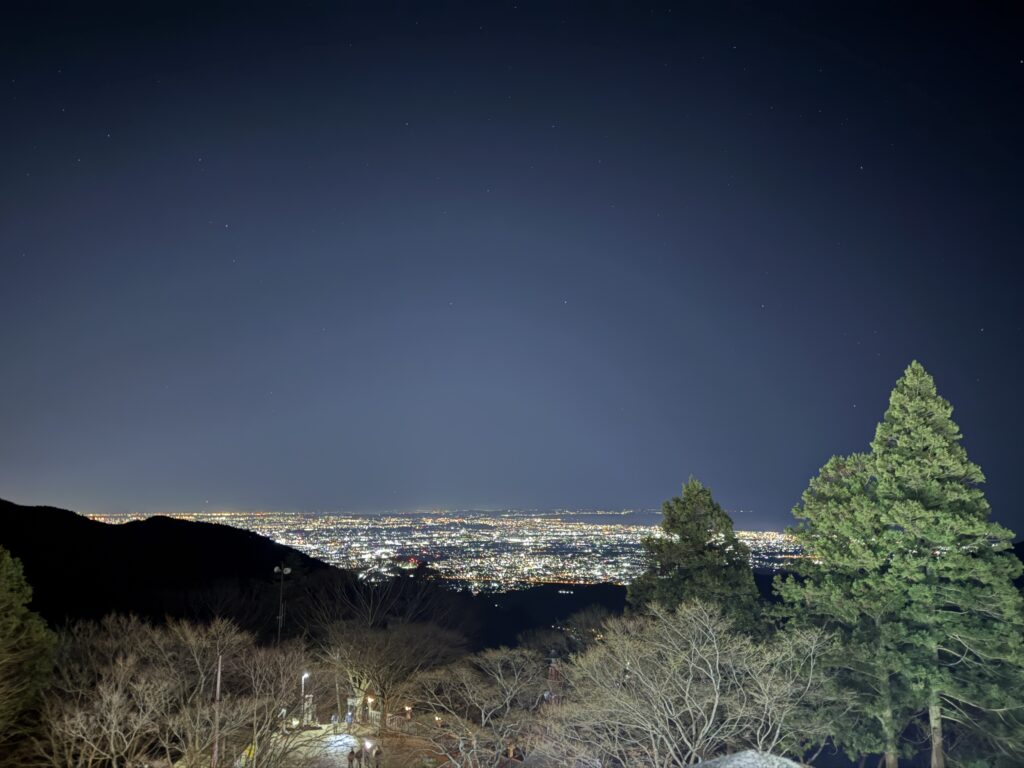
(216, 719)
(284, 571)
(302, 689)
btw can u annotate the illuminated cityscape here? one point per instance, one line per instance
(483, 551)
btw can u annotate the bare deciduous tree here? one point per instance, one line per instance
(127, 693)
(270, 681)
(379, 661)
(475, 711)
(676, 687)
(337, 596)
(791, 705)
(105, 705)
(186, 656)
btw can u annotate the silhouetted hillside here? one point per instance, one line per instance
(510, 613)
(82, 568)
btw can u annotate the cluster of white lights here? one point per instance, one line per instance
(481, 551)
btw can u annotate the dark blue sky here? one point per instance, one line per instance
(498, 254)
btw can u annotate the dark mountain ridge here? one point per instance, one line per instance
(163, 567)
(157, 567)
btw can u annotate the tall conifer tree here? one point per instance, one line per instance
(964, 617)
(842, 583)
(698, 556)
(904, 562)
(25, 648)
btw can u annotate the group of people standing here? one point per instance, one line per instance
(362, 757)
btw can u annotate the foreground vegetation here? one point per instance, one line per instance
(899, 632)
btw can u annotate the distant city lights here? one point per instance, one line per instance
(481, 551)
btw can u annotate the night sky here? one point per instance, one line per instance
(499, 254)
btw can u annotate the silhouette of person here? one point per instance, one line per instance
(351, 757)
(377, 757)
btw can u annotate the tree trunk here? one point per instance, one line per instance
(888, 726)
(935, 726)
(337, 698)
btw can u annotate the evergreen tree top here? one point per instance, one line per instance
(698, 557)
(695, 518)
(917, 418)
(918, 455)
